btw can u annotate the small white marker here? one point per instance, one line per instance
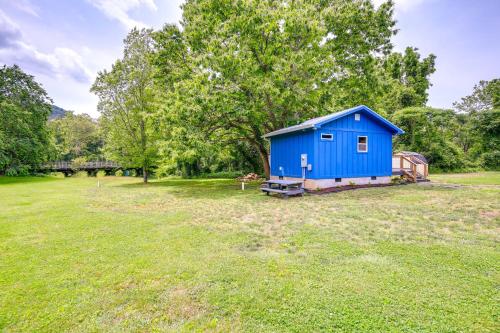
(98, 184)
(242, 186)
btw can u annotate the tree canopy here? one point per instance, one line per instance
(480, 117)
(77, 136)
(246, 68)
(485, 96)
(406, 79)
(198, 98)
(25, 141)
(127, 105)
(461, 139)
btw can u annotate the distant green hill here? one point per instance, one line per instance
(57, 112)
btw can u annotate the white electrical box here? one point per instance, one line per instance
(309, 167)
(303, 160)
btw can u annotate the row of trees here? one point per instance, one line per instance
(199, 99)
(237, 70)
(77, 137)
(28, 139)
(465, 138)
(25, 140)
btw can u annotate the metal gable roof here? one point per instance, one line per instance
(318, 122)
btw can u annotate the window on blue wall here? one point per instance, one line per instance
(327, 136)
(362, 144)
(357, 117)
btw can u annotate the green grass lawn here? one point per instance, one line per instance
(202, 255)
(477, 178)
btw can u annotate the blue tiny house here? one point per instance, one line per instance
(351, 146)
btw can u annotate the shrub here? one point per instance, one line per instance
(20, 170)
(101, 174)
(40, 174)
(491, 160)
(11, 172)
(57, 174)
(119, 173)
(397, 180)
(23, 170)
(80, 174)
(220, 174)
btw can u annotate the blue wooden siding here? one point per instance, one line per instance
(286, 151)
(338, 158)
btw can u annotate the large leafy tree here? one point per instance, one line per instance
(486, 125)
(250, 67)
(127, 105)
(25, 141)
(459, 139)
(77, 135)
(479, 114)
(430, 132)
(406, 80)
(485, 96)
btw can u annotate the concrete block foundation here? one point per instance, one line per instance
(314, 184)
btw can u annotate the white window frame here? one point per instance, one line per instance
(357, 144)
(357, 116)
(324, 139)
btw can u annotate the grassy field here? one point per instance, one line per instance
(477, 178)
(202, 255)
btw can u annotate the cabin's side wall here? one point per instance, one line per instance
(286, 151)
(339, 158)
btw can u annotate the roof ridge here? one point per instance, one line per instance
(318, 121)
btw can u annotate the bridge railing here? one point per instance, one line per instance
(68, 165)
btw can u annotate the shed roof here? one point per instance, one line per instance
(318, 122)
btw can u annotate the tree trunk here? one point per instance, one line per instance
(260, 144)
(144, 175)
(265, 161)
(143, 146)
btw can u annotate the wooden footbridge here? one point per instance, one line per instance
(68, 168)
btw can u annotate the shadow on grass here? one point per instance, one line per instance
(201, 188)
(28, 179)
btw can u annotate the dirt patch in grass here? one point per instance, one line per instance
(491, 214)
(182, 305)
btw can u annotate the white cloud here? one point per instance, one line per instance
(27, 7)
(9, 31)
(401, 5)
(62, 62)
(119, 10)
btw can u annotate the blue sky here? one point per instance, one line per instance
(65, 43)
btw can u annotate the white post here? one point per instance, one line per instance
(242, 186)
(98, 183)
